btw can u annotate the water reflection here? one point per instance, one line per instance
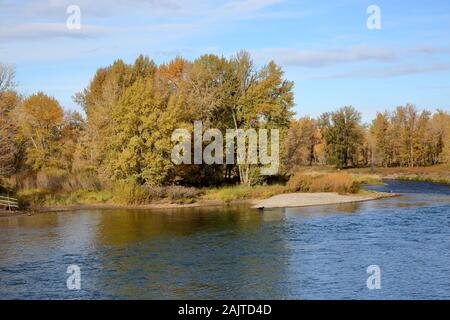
(124, 253)
(234, 252)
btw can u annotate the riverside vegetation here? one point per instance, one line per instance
(119, 150)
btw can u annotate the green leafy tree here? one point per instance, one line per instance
(343, 135)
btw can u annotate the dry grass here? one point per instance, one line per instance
(341, 183)
(436, 173)
(238, 192)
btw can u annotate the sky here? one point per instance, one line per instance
(325, 47)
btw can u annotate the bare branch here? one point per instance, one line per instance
(7, 75)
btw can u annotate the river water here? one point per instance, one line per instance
(236, 252)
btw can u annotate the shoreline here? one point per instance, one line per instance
(288, 200)
(112, 206)
(299, 200)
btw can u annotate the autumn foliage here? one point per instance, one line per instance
(123, 139)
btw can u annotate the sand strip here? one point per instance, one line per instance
(290, 200)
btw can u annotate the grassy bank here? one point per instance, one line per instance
(437, 173)
(136, 195)
(308, 179)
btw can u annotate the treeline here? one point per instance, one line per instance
(405, 137)
(131, 111)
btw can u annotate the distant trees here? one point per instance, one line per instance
(404, 137)
(409, 138)
(381, 134)
(440, 132)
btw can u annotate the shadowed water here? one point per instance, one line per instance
(236, 252)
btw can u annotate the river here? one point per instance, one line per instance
(236, 252)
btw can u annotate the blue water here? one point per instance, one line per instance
(236, 252)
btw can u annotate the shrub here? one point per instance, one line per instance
(333, 182)
(134, 194)
(230, 193)
(128, 192)
(300, 183)
(33, 197)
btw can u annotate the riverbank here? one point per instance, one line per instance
(436, 173)
(285, 200)
(308, 181)
(112, 206)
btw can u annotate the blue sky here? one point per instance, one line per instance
(324, 46)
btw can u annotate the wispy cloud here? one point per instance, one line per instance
(45, 19)
(391, 71)
(45, 9)
(244, 6)
(331, 57)
(324, 58)
(39, 31)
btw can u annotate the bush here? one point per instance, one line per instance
(300, 183)
(130, 193)
(334, 182)
(229, 193)
(33, 197)
(134, 194)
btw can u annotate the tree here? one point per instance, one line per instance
(343, 135)
(72, 130)
(440, 137)
(141, 145)
(9, 146)
(261, 99)
(407, 135)
(7, 75)
(301, 142)
(379, 132)
(99, 100)
(41, 118)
